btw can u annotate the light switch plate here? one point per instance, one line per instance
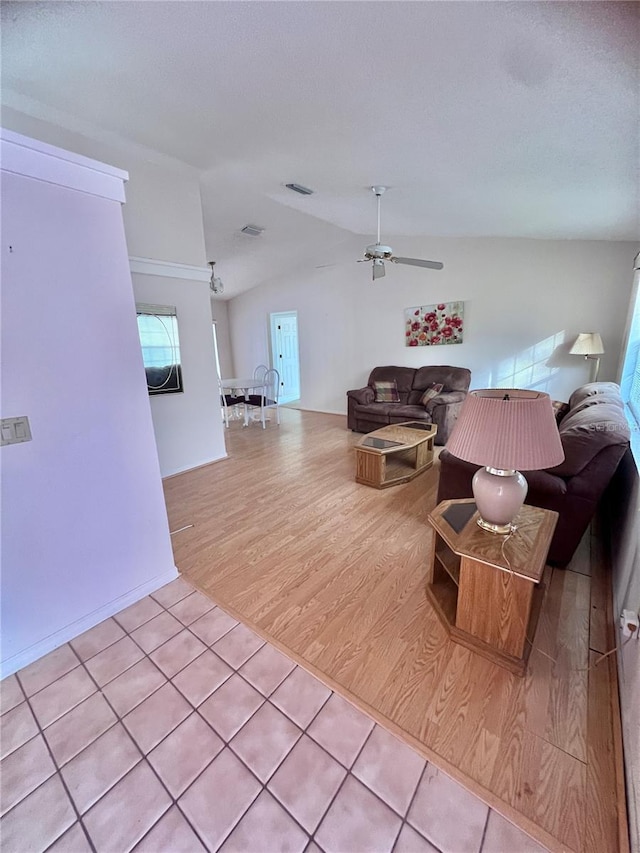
(15, 430)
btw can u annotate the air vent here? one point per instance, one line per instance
(253, 230)
(298, 188)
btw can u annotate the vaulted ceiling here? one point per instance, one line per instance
(485, 118)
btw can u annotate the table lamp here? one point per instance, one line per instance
(504, 429)
(589, 344)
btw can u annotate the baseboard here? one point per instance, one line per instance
(319, 411)
(74, 629)
(195, 467)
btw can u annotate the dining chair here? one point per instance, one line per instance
(229, 402)
(268, 398)
(259, 372)
(258, 375)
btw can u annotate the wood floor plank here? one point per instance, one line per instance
(552, 790)
(600, 634)
(556, 695)
(602, 817)
(334, 573)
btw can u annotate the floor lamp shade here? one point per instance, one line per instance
(505, 429)
(589, 345)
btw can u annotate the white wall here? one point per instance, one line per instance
(220, 312)
(163, 214)
(84, 526)
(188, 426)
(163, 222)
(523, 299)
(624, 517)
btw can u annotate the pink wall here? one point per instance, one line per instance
(84, 527)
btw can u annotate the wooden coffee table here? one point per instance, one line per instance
(395, 454)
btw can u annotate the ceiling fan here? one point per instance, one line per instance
(378, 253)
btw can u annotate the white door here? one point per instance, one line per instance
(284, 349)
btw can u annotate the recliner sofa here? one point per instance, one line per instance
(365, 415)
(595, 436)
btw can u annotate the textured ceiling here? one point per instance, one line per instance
(486, 119)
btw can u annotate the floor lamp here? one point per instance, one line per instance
(505, 429)
(589, 345)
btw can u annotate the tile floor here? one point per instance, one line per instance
(172, 728)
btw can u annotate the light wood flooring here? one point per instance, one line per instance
(334, 573)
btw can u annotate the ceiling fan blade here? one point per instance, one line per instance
(378, 269)
(324, 266)
(416, 262)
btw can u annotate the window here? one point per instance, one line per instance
(630, 378)
(158, 330)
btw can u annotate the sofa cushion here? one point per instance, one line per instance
(430, 393)
(560, 409)
(451, 379)
(592, 389)
(386, 391)
(586, 432)
(403, 377)
(597, 400)
(378, 413)
(401, 413)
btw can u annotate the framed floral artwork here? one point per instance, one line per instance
(432, 325)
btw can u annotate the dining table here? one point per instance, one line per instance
(245, 386)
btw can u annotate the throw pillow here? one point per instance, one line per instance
(560, 409)
(431, 392)
(386, 392)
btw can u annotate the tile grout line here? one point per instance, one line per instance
(57, 768)
(144, 760)
(143, 756)
(227, 744)
(195, 708)
(405, 820)
(342, 784)
(174, 800)
(484, 831)
(118, 719)
(267, 699)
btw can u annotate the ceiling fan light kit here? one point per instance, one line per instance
(215, 285)
(379, 253)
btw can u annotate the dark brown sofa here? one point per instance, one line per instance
(365, 415)
(595, 436)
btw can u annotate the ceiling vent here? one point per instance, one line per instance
(252, 230)
(298, 188)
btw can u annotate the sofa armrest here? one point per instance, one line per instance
(443, 411)
(456, 476)
(544, 483)
(445, 399)
(362, 396)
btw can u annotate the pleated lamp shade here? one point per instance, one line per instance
(507, 428)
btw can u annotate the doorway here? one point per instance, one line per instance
(284, 353)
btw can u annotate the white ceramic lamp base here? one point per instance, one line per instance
(499, 495)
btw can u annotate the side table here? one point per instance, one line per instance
(486, 588)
